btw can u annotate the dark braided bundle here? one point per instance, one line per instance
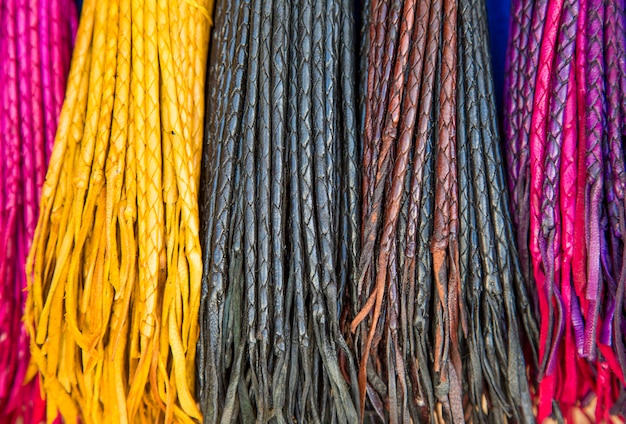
(281, 213)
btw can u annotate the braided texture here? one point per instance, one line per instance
(439, 277)
(281, 210)
(116, 258)
(575, 198)
(35, 46)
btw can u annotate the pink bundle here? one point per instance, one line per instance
(565, 126)
(36, 40)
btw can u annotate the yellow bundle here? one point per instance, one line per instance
(115, 268)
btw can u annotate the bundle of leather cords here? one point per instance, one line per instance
(565, 123)
(280, 213)
(36, 39)
(115, 270)
(442, 308)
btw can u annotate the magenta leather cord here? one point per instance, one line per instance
(35, 53)
(568, 184)
(542, 181)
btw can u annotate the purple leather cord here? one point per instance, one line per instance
(595, 121)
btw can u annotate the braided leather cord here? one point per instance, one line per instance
(280, 69)
(543, 178)
(149, 201)
(469, 263)
(305, 190)
(314, 275)
(24, 210)
(249, 182)
(353, 131)
(188, 173)
(620, 9)
(313, 182)
(510, 96)
(347, 181)
(578, 263)
(376, 26)
(406, 279)
(303, 345)
(116, 224)
(301, 320)
(423, 292)
(208, 180)
(61, 32)
(551, 222)
(421, 198)
(444, 246)
(560, 165)
(209, 151)
(396, 190)
(263, 182)
(595, 123)
(614, 113)
(74, 302)
(295, 325)
(363, 34)
(517, 57)
(568, 206)
(38, 151)
(382, 88)
(616, 182)
(548, 236)
(533, 26)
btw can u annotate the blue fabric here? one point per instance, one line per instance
(498, 13)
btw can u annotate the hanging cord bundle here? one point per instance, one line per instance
(36, 39)
(442, 305)
(565, 125)
(280, 202)
(115, 268)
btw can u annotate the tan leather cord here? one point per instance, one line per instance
(115, 269)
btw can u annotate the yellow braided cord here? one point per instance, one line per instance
(115, 267)
(204, 10)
